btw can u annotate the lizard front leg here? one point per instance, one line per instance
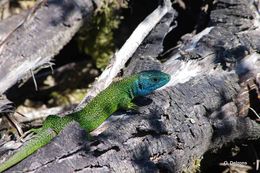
(127, 104)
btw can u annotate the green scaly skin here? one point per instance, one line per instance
(118, 95)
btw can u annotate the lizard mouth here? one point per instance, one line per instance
(168, 77)
(165, 79)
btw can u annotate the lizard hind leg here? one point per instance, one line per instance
(37, 130)
(29, 133)
(50, 120)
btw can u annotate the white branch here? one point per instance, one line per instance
(128, 49)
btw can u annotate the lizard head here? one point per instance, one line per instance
(150, 80)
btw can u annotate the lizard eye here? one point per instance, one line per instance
(140, 86)
(155, 79)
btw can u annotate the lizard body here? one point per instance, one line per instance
(118, 95)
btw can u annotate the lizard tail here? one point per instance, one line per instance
(42, 138)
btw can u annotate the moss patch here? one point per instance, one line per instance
(97, 39)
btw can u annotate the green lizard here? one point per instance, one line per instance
(118, 95)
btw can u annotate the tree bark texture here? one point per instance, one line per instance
(39, 37)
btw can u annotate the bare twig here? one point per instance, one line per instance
(128, 49)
